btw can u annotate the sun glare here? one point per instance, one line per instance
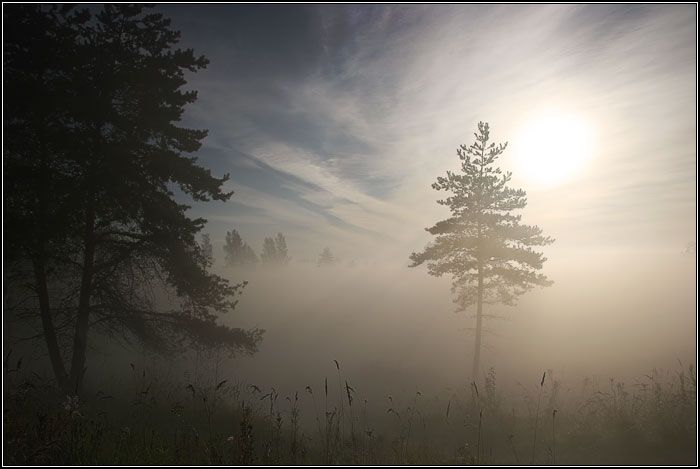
(553, 148)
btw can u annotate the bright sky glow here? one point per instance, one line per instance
(554, 148)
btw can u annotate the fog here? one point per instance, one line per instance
(394, 330)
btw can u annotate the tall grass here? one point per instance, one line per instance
(214, 420)
(537, 416)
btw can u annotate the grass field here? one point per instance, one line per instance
(150, 421)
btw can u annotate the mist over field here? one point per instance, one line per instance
(387, 322)
(394, 330)
(350, 234)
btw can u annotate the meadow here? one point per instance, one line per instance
(204, 419)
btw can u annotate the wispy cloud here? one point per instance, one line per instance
(335, 120)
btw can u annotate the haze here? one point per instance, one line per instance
(333, 122)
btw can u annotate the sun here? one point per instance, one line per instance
(553, 148)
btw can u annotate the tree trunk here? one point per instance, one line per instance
(81, 326)
(479, 295)
(40, 280)
(59, 370)
(479, 317)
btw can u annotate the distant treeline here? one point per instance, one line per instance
(274, 251)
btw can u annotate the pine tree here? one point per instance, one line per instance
(233, 247)
(237, 251)
(281, 249)
(93, 150)
(274, 251)
(326, 258)
(269, 252)
(248, 256)
(483, 245)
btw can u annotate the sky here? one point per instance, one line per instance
(333, 121)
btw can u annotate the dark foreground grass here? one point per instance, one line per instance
(652, 421)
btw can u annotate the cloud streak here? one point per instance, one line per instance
(333, 121)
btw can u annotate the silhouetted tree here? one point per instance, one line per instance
(92, 154)
(248, 256)
(238, 252)
(483, 245)
(269, 252)
(326, 258)
(281, 248)
(207, 249)
(274, 251)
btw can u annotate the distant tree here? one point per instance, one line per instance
(269, 252)
(274, 251)
(483, 245)
(207, 249)
(326, 258)
(248, 256)
(92, 153)
(233, 247)
(238, 252)
(281, 249)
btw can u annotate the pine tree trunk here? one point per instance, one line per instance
(83, 320)
(40, 279)
(59, 370)
(479, 299)
(479, 317)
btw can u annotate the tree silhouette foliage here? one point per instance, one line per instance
(326, 258)
(482, 245)
(238, 252)
(274, 251)
(207, 249)
(93, 154)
